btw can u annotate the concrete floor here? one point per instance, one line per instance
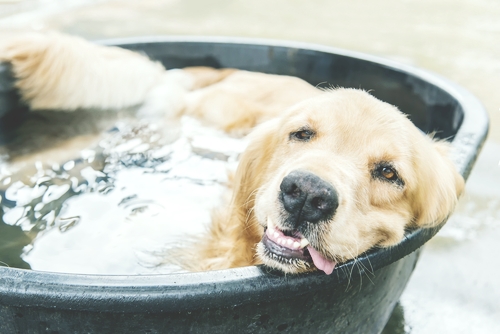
(455, 287)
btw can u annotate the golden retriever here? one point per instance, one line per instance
(328, 174)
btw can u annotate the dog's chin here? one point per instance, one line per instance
(282, 261)
(291, 252)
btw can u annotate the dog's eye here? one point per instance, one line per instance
(302, 135)
(388, 173)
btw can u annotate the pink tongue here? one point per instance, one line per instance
(320, 262)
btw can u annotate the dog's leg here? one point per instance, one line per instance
(56, 71)
(168, 96)
(236, 101)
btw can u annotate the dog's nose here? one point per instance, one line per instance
(306, 197)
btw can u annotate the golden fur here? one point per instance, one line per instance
(351, 138)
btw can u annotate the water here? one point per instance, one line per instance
(116, 207)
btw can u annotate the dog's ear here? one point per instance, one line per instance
(439, 185)
(254, 162)
(233, 233)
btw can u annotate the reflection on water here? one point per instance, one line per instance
(117, 205)
(12, 242)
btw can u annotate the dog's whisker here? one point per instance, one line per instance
(356, 264)
(350, 274)
(371, 271)
(250, 198)
(360, 264)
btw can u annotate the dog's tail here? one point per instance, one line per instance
(55, 71)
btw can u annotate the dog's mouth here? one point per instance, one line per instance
(291, 248)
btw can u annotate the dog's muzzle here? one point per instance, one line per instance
(308, 200)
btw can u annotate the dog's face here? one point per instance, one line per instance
(339, 174)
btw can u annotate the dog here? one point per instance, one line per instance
(327, 175)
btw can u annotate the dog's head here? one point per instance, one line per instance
(339, 174)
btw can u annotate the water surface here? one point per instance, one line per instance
(117, 206)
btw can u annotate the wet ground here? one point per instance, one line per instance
(454, 288)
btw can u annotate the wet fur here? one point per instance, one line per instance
(353, 133)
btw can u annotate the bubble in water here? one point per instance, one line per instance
(106, 189)
(55, 192)
(127, 199)
(69, 165)
(91, 175)
(138, 209)
(14, 215)
(48, 219)
(127, 146)
(68, 222)
(28, 248)
(6, 181)
(88, 155)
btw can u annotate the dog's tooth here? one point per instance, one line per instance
(276, 234)
(289, 242)
(303, 242)
(296, 245)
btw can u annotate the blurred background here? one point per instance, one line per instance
(456, 285)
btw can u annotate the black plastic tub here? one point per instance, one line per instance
(356, 298)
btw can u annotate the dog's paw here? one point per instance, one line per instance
(167, 98)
